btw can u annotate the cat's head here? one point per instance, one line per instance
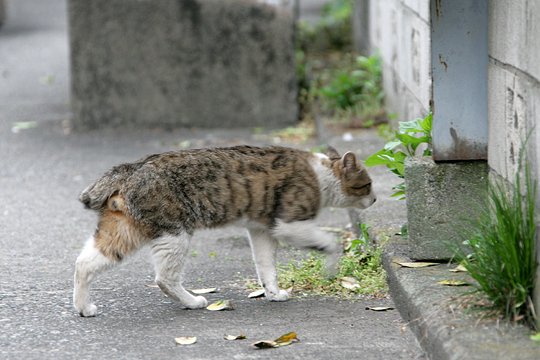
(356, 188)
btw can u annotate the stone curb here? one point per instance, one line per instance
(444, 329)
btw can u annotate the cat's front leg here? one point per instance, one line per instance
(263, 247)
(306, 234)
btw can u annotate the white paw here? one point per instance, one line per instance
(281, 295)
(331, 268)
(198, 302)
(88, 310)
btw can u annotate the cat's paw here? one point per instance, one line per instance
(331, 268)
(198, 302)
(88, 310)
(281, 295)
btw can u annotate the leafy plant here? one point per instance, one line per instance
(361, 84)
(410, 137)
(500, 251)
(332, 31)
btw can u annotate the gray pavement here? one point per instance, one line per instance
(43, 227)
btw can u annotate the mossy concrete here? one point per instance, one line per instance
(441, 199)
(170, 63)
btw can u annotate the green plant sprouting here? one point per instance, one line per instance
(410, 138)
(499, 252)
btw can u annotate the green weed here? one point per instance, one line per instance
(500, 251)
(408, 139)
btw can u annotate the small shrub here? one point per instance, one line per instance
(411, 137)
(355, 90)
(500, 251)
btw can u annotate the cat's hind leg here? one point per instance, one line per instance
(263, 247)
(170, 255)
(116, 237)
(306, 234)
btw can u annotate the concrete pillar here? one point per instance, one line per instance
(196, 63)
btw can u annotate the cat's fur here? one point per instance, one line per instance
(276, 192)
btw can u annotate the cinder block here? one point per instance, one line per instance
(441, 198)
(170, 63)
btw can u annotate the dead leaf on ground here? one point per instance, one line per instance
(235, 337)
(220, 305)
(203, 291)
(379, 308)
(453, 283)
(416, 264)
(265, 344)
(256, 294)
(459, 268)
(186, 340)
(287, 339)
(349, 283)
(283, 340)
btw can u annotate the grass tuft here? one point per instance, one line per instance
(500, 251)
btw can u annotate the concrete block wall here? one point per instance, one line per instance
(189, 63)
(399, 31)
(514, 84)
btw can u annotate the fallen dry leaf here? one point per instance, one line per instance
(349, 283)
(186, 340)
(453, 283)
(283, 340)
(235, 337)
(203, 291)
(379, 308)
(286, 339)
(220, 305)
(416, 264)
(459, 268)
(265, 344)
(256, 294)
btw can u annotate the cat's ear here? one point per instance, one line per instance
(332, 153)
(349, 161)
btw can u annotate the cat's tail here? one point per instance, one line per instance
(103, 192)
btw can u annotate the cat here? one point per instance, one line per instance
(160, 200)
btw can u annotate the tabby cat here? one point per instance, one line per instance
(159, 201)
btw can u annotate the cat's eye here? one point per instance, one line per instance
(368, 185)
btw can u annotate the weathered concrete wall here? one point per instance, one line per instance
(399, 32)
(514, 91)
(190, 63)
(441, 198)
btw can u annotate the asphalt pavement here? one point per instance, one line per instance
(43, 167)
